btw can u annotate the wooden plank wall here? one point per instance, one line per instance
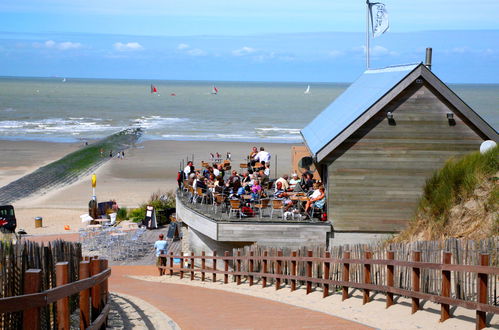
(375, 177)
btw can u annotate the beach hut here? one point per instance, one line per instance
(378, 142)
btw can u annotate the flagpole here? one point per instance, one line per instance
(367, 34)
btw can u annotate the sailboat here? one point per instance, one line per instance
(154, 89)
(63, 79)
(214, 90)
(307, 91)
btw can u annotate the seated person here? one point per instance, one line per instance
(200, 183)
(264, 179)
(256, 190)
(279, 193)
(246, 180)
(317, 200)
(252, 155)
(307, 183)
(267, 169)
(284, 181)
(294, 181)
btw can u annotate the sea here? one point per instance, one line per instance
(70, 110)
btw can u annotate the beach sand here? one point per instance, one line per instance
(150, 167)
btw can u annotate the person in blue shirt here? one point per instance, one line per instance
(160, 246)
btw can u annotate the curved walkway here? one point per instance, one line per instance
(200, 308)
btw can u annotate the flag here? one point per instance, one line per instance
(379, 18)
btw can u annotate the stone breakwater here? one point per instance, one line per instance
(70, 168)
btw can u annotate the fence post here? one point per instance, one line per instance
(95, 292)
(182, 261)
(293, 271)
(346, 275)
(309, 271)
(325, 288)
(444, 308)
(278, 271)
(482, 281)
(214, 266)
(264, 269)
(32, 284)
(84, 296)
(390, 255)
(192, 266)
(61, 276)
(226, 268)
(250, 268)
(416, 272)
(104, 287)
(171, 263)
(238, 266)
(367, 277)
(203, 265)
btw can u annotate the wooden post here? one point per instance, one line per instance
(309, 271)
(182, 265)
(226, 268)
(32, 284)
(203, 265)
(84, 296)
(390, 255)
(61, 277)
(238, 268)
(278, 271)
(325, 287)
(214, 266)
(171, 263)
(367, 277)
(250, 268)
(416, 280)
(192, 266)
(482, 281)
(95, 291)
(264, 269)
(346, 275)
(104, 288)
(444, 308)
(293, 270)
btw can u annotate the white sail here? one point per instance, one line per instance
(307, 91)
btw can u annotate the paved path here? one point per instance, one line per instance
(200, 308)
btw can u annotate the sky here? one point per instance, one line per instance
(308, 41)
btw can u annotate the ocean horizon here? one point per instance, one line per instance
(60, 109)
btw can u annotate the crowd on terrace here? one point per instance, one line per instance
(252, 190)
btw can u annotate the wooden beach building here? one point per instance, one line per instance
(378, 142)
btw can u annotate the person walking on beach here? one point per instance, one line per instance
(123, 154)
(160, 247)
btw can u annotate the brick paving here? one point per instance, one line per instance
(201, 308)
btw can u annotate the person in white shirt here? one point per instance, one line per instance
(188, 169)
(160, 246)
(262, 156)
(284, 182)
(294, 181)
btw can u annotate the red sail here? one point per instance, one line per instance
(153, 89)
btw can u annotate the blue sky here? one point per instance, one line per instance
(317, 40)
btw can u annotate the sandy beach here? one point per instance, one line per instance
(150, 167)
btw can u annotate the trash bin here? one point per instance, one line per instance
(38, 222)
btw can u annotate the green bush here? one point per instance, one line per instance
(122, 213)
(159, 201)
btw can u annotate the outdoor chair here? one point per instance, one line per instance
(277, 205)
(235, 207)
(218, 202)
(201, 195)
(191, 193)
(243, 165)
(264, 204)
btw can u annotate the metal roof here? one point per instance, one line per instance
(371, 86)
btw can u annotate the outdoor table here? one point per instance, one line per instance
(299, 201)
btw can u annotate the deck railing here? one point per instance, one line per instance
(271, 267)
(92, 287)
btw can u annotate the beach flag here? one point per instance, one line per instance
(379, 18)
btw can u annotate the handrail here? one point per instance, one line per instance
(35, 300)
(480, 306)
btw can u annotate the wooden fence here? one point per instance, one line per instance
(92, 289)
(333, 273)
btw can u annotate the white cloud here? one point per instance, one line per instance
(129, 46)
(376, 51)
(335, 53)
(183, 46)
(51, 44)
(243, 51)
(196, 52)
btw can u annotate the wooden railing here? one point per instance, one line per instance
(271, 267)
(92, 287)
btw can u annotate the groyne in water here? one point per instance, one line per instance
(69, 168)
